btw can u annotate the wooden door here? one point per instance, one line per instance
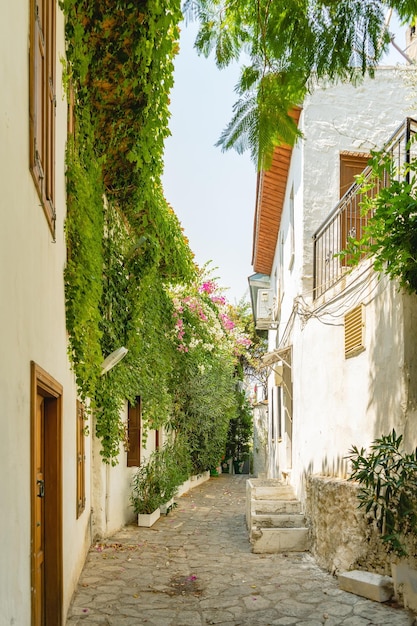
(39, 514)
(46, 499)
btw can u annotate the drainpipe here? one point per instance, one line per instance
(107, 501)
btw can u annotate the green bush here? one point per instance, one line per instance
(157, 480)
(388, 492)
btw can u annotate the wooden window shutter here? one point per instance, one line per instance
(355, 331)
(133, 431)
(80, 458)
(351, 164)
(351, 220)
(42, 84)
(50, 106)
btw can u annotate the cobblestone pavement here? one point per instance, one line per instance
(195, 567)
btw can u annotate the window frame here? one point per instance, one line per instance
(134, 433)
(42, 104)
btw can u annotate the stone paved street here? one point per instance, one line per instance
(195, 567)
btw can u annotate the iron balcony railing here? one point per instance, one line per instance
(346, 221)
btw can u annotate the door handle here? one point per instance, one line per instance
(41, 488)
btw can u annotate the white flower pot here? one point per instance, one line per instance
(165, 507)
(148, 519)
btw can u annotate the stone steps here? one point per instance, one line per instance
(278, 520)
(277, 507)
(274, 518)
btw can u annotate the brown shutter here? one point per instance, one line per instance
(42, 103)
(351, 220)
(133, 428)
(351, 164)
(37, 93)
(355, 331)
(50, 107)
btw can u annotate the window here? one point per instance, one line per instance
(355, 331)
(42, 103)
(133, 433)
(352, 222)
(276, 421)
(291, 231)
(80, 458)
(280, 289)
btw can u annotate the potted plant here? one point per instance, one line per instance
(156, 482)
(146, 495)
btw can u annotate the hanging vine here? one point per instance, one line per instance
(125, 244)
(129, 263)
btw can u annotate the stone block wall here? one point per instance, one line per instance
(342, 537)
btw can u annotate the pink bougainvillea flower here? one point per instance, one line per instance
(227, 322)
(208, 287)
(218, 299)
(243, 341)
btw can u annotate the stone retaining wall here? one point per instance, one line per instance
(342, 538)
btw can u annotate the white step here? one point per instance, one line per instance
(274, 540)
(259, 507)
(271, 489)
(274, 517)
(278, 520)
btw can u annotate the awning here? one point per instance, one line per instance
(279, 354)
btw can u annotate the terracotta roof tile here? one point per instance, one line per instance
(270, 196)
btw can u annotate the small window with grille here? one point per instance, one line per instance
(355, 331)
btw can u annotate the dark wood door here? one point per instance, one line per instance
(38, 587)
(46, 499)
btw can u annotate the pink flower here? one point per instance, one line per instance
(208, 287)
(227, 322)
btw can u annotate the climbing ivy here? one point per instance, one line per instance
(130, 279)
(84, 269)
(125, 244)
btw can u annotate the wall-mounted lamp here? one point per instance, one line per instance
(113, 359)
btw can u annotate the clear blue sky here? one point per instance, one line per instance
(213, 193)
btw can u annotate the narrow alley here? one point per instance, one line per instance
(195, 567)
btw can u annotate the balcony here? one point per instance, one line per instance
(346, 220)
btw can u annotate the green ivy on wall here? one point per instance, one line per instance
(129, 263)
(125, 244)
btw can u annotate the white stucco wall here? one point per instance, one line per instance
(111, 485)
(32, 317)
(339, 402)
(345, 118)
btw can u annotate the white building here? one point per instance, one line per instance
(342, 345)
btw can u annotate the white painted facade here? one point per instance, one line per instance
(110, 487)
(337, 402)
(32, 329)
